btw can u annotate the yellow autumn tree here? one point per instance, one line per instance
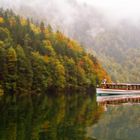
(1, 20)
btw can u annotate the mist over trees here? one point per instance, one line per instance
(119, 51)
(109, 38)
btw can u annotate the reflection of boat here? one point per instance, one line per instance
(117, 99)
(118, 89)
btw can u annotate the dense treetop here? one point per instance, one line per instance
(35, 58)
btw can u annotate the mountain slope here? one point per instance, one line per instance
(105, 36)
(34, 58)
(119, 51)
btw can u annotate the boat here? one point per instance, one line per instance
(117, 89)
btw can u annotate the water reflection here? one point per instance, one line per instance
(56, 117)
(120, 120)
(118, 99)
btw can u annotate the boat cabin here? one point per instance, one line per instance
(121, 86)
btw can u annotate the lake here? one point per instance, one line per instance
(67, 116)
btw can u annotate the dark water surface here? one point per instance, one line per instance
(75, 116)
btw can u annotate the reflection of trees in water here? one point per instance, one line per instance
(47, 118)
(119, 122)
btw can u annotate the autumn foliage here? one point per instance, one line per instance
(35, 58)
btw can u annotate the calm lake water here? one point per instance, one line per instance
(75, 116)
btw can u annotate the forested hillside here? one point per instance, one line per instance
(119, 51)
(109, 37)
(35, 58)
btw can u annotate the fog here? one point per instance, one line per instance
(110, 29)
(78, 19)
(116, 9)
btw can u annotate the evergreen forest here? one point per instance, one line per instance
(34, 58)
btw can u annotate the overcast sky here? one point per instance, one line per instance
(112, 8)
(117, 8)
